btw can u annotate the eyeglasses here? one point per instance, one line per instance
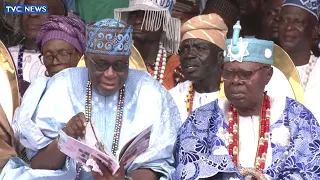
(62, 57)
(101, 65)
(242, 75)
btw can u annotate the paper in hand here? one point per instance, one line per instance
(81, 152)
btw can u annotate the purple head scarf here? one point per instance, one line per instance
(68, 28)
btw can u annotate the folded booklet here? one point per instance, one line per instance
(82, 152)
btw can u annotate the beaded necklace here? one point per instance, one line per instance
(189, 101)
(116, 136)
(178, 75)
(20, 62)
(263, 134)
(312, 62)
(190, 97)
(159, 65)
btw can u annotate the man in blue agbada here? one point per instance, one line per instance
(118, 101)
(252, 133)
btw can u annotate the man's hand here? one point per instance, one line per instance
(76, 127)
(120, 175)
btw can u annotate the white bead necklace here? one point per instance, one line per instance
(160, 65)
(312, 62)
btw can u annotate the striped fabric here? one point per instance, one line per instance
(209, 27)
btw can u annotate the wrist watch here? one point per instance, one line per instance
(128, 178)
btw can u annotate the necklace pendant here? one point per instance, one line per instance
(100, 146)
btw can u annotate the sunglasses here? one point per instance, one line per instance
(101, 65)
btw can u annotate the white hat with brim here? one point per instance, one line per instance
(156, 16)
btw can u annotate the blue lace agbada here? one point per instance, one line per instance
(199, 154)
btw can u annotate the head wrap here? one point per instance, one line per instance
(312, 6)
(228, 7)
(157, 15)
(209, 27)
(248, 49)
(109, 36)
(187, 6)
(68, 28)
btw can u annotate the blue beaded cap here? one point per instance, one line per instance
(109, 36)
(248, 49)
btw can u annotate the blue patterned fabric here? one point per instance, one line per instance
(109, 36)
(312, 6)
(248, 49)
(201, 153)
(148, 5)
(165, 4)
(49, 104)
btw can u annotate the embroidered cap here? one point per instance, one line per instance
(312, 6)
(109, 36)
(157, 15)
(248, 49)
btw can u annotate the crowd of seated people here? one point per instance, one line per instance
(229, 89)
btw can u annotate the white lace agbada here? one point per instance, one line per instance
(180, 92)
(32, 66)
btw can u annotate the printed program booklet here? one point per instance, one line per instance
(82, 152)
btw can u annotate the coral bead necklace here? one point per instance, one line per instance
(263, 134)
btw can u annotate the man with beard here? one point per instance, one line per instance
(297, 27)
(201, 53)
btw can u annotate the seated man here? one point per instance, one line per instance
(298, 25)
(252, 133)
(201, 54)
(113, 97)
(154, 39)
(270, 25)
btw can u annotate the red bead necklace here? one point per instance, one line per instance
(263, 135)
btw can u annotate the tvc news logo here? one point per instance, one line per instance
(26, 9)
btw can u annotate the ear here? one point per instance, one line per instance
(220, 58)
(269, 74)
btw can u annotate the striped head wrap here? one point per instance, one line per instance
(209, 27)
